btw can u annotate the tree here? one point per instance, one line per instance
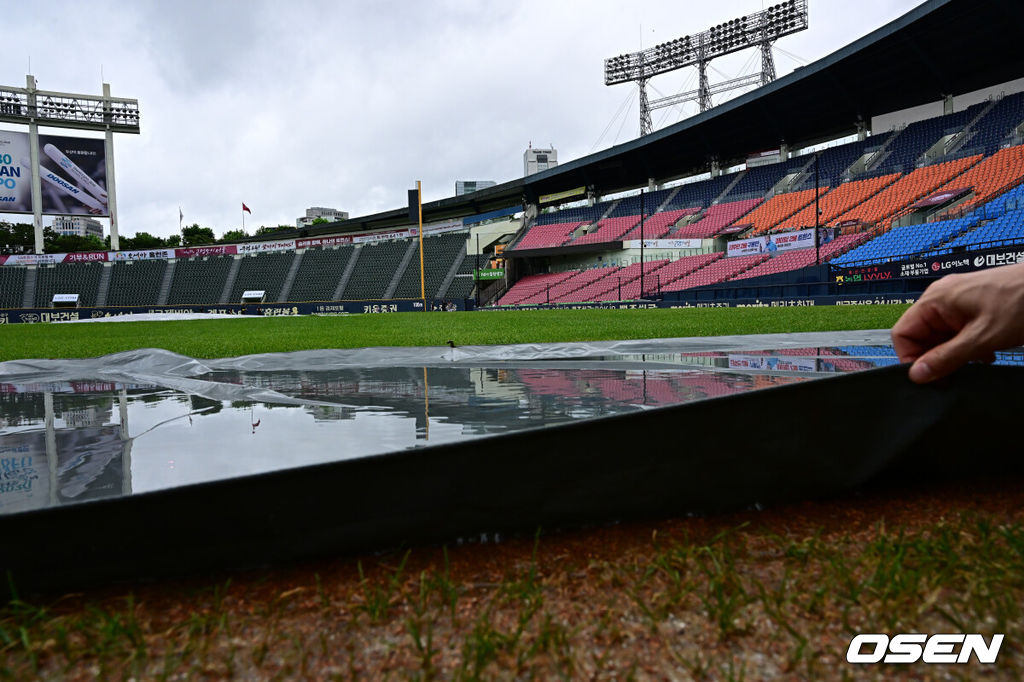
(61, 243)
(145, 240)
(234, 236)
(320, 221)
(270, 229)
(197, 236)
(17, 237)
(173, 241)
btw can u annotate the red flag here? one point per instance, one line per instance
(246, 208)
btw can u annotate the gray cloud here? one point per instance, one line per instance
(290, 105)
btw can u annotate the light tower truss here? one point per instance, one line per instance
(759, 29)
(33, 107)
(26, 106)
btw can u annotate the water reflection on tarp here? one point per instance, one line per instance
(64, 442)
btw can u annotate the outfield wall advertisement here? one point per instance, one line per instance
(72, 175)
(931, 267)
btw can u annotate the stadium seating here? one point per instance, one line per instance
(802, 258)
(909, 145)
(660, 225)
(439, 253)
(990, 178)
(530, 286)
(757, 181)
(992, 128)
(374, 270)
(199, 281)
(263, 271)
(880, 208)
(715, 219)
(700, 193)
(838, 201)
(319, 273)
(716, 272)
(778, 208)
(547, 235)
(68, 278)
(608, 287)
(136, 282)
(12, 286)
(608, 230)
(903, 242)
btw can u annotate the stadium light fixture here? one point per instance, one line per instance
(759, 29)
(33, 107)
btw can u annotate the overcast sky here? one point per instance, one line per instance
(346, 104)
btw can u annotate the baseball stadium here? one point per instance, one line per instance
(636, 415)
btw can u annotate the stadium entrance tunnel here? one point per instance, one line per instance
(147, 464)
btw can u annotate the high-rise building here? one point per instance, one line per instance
(332, 215)
(469, 186)
(78, 226)
(537, 160)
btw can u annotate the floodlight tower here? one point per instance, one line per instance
(760, 29)
(33, 107)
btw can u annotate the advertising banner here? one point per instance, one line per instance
(24, 472)
(321, 241)
(574, 192)
(772, 243)
(263, 247)
(773, 362)
(663, 244)
(497, 273)
(193, 251)
(151, 254)
(72, 174)
(86, 257)
(365, 238)
(931, 267)
(15, 176)
(447, 226)
(34, 259)
(943, 197)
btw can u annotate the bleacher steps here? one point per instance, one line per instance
(165, 286)
(668, 199)
(29, 297)
(611, 208)
(790, 182)
(960, 139)
(236, 263)
(410, 251)
(347, 274)
(289, 279)
(728, 188)
(883, 152)
(452, 271)
(104, 288)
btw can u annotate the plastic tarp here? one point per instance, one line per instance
(700, 457)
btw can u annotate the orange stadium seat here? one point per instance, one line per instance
(882, 207)
(839, 200)
(778, 208)
(993, 176)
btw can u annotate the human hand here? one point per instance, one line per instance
(961, 318)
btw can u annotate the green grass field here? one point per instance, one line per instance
(230, 338)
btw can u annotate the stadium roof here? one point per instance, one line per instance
(940, 48)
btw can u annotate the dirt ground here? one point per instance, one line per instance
(754, 595)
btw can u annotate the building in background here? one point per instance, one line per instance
(331, 215)
(537, 160)
(470, 186)
(78, 226)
